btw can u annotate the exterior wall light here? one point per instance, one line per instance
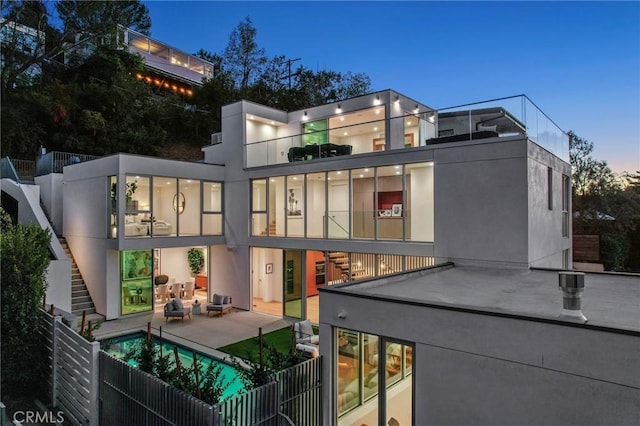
(339, 110)
(376, 101)
(305, 117)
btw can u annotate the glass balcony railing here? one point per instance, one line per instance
(359, 138)
(504, 116)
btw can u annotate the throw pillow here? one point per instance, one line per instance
(177, 303)
(217, 299)
(225, 300)
(306, 329)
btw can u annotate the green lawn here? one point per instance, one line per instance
(280, 339)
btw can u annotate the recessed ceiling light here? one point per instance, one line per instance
(397, 173)
(345, 133)
(408, 123)
(341, 118)
(272, 122)
(188, 180)
(361, 175)
(378, 111)
(137, 177)
(375, 129)
(295, 178)
(397, 167)
(273, 180)
(366, 170)
(251, 117)
(339, 173)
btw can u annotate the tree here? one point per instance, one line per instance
(24, 259)
(242, 56)
(102, 17)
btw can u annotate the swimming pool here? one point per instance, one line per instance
(119, 346)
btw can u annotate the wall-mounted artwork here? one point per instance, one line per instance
(137, 264)
(294, 202)
(396, 210)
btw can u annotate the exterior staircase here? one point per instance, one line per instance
(80, 297)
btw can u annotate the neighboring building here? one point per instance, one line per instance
(166, 68)
(22, 44)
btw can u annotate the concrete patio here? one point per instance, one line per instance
(202, 333)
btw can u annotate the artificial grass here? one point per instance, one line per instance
(249, 348)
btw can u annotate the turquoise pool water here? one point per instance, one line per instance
(118, 347)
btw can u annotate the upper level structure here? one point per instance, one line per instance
(163, 60)
(384, 121)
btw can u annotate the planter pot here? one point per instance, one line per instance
(132, 204)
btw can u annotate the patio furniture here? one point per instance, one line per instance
(162, 292)
(304, 333)
(188, 289)
(220, 304)
(175, 309)
(176, 290)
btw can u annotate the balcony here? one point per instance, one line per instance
(502, 117)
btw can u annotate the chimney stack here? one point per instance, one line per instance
(572, 284)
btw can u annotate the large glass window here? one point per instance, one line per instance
(362, 203)
(138, 206)
(390, 202)
(136, 272)
(293, 283)
(259, 207)
(314, 132)
(316, 206)
(295, 206)
(419, 213)
(338, 198)
(212, 208)
(164, 219)
(365, 364)
(186, 204)
(278, 205)
(112, 232)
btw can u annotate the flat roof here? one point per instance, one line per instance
(609, 300)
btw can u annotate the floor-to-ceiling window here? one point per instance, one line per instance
(293, 292)
(374, 380)
(316, 205)
(384, 203)
(338, 204)
(136, 281)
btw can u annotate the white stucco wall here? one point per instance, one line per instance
(481, 200)
(51, 196)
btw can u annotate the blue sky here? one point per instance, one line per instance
(578, 61)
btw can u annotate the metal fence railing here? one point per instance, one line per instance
(54, 161)
(21, 171)
(129, 396)
(93, 388)
(301, 392)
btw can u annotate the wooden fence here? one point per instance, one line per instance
(586, 248)
(73, 371)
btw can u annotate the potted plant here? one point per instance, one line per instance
(195, 258)
(131, 189)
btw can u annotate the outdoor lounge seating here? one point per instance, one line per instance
(304, 333)
(220, 304)
(313, 151)
(175, 309)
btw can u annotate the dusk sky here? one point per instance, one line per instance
(578, 61)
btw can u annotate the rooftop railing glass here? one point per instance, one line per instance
(519, 115)
(347, 140)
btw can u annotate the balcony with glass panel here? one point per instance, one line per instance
(515, 115)
(166, 59)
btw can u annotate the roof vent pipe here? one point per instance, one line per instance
(572, 284)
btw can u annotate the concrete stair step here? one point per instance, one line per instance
(76, 300)
(82, 305)
(89, 311)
